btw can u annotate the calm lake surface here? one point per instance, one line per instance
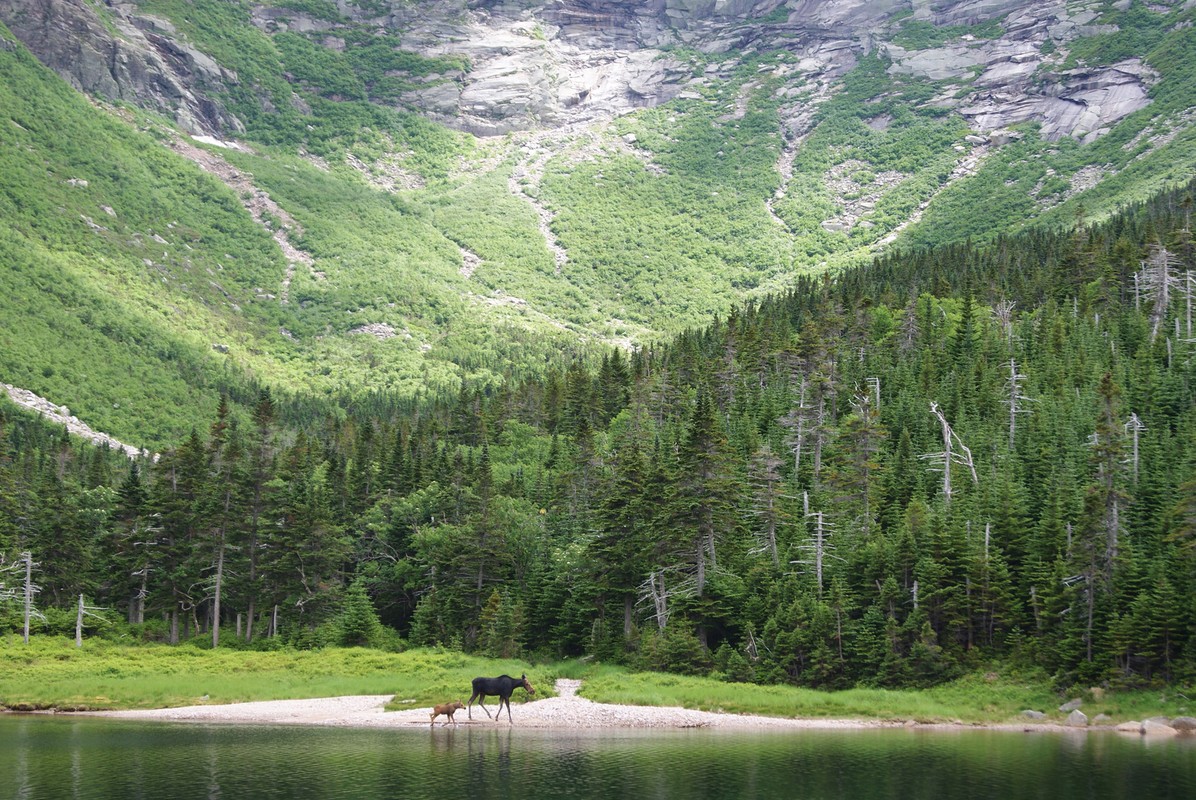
(94, 758)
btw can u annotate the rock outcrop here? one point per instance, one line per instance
(552, 63)
(124, 56)
(63, 416)
(1017, 76)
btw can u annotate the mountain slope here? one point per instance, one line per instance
(428, 194)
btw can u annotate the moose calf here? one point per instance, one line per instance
(448, 709)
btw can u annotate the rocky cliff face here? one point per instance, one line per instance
(555, 62)
(118, 54)
(568, 61)
(1016, 77)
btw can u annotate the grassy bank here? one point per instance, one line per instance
(977, 698)
(52, 673)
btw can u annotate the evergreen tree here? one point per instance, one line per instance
(358, 624)
(703, 499)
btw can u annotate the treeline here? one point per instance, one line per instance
(950, 457)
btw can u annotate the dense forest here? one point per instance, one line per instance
(949, 458)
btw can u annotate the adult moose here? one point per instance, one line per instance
(502, 686)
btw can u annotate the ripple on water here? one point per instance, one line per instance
(103, 759)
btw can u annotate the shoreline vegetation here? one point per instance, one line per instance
(359, 686)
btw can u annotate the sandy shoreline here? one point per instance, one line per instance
(567, 710)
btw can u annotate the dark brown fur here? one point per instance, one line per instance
(500, 687)
(448, 709)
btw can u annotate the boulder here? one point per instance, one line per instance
(1030, 713)
(1184, 724)
(1129, 727)
(1101, 719)
(1071, 705)
(1155, 728)
(1076, 719)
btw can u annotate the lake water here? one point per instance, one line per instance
(57, 758)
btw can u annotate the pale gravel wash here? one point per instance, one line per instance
(567, 710)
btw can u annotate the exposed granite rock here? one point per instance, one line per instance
(1184, 724)
(1017, 81)
(1076, 719)
(131, 58)
(549, 63)
(62, 415)
(563, 61)
(1071, 705)
(1082, 103)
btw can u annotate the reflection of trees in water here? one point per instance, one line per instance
(488, 763)
(118, 761)
(213, 767)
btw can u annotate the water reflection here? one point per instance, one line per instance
(101, 759)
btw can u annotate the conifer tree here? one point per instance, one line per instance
(704, 496)
(626, 517)
(132, 556)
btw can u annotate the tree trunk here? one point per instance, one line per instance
(141, 598)
(28, 592)
(216, 599)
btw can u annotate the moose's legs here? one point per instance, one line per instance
(481, 698)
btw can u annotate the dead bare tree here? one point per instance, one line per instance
(908, 330)
(819, 434)
(797, 421)
(657, 594)
(7, 592)
(1015, 398)
(874, 385)
(954, 452)
(1134, 427)
(26, 589)
(1158, 279)
(818, 547)
(765, 477)
(84, 611)
(1189, 285)
(1003, 311)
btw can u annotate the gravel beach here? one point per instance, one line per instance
(567, 710)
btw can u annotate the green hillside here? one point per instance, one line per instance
(116, 281)
(142, 286)
(948, 459)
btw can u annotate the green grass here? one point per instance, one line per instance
(982, 698)
(51, 672)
